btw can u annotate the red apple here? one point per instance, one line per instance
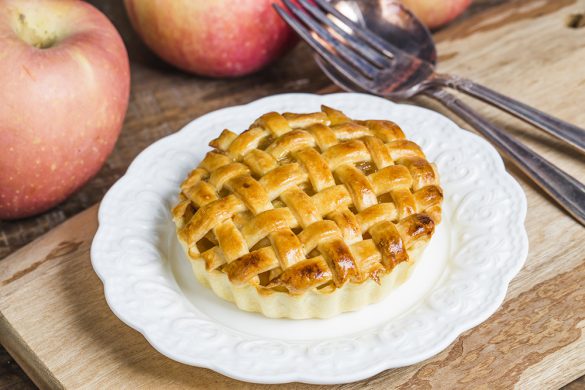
(215, 38)
(65, 80)
(435, 13)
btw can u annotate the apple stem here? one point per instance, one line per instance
(32, 36)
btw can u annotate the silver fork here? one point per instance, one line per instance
(357, 59)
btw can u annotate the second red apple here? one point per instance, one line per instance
(219, 38)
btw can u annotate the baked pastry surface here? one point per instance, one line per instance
(308, 215)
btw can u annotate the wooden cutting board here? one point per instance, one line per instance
(55, 322)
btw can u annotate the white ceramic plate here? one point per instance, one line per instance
(460, 281)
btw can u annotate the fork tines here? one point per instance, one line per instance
(353, 50)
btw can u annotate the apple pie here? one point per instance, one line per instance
(308, 215)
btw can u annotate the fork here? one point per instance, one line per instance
(358, 59)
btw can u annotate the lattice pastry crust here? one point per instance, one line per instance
(308, 215)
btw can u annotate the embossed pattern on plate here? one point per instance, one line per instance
(485, 208)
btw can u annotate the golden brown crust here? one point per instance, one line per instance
(308, 202)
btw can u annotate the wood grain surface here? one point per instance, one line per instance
(522, 48)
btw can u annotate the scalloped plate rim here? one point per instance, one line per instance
(455, 331)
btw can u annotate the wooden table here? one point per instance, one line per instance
(163, 100)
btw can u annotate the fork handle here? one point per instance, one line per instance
(563, 188)
(573, 135)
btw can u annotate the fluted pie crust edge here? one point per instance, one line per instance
(308, 215)
(312, 304)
